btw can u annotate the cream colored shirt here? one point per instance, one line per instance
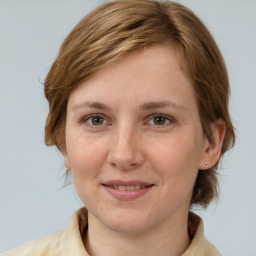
(69, 242)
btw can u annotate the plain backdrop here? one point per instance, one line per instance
(32, 202)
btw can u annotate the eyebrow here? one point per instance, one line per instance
(143, 107)
(162, 104)
(96, 105)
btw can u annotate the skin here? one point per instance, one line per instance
(125, 141)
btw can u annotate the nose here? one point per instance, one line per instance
(125, 152)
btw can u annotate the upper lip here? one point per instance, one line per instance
(126, 183)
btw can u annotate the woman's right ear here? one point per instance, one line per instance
(63, 150)
(66, 161)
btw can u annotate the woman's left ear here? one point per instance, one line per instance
(212, 150)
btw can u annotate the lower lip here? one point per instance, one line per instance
(127, 195)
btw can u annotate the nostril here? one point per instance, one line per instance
(125, 158)
(119, 167)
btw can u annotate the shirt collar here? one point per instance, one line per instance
(72, 242)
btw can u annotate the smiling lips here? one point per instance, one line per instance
(136, 187)
(127, 190)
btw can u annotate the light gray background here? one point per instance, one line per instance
(31, 201)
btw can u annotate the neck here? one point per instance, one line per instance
(165, 239)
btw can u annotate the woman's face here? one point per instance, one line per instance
(134, 141)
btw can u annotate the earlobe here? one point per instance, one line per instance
(66, 161)
(65, 155)
(212, 151)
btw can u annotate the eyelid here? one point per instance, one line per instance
(84, 119)
(169, 118)
(87, 117)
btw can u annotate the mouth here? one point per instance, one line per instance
(129, 188)
(125, 191)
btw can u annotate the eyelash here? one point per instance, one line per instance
(149, 118)
(87, 118)
(166, 118)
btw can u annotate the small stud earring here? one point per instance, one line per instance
(205, 162)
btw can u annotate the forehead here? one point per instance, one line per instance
(151, 73)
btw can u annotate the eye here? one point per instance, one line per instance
(95, 120)
(159, 119)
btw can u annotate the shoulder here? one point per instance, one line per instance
(45, 246)
(67, 242)
(199, 246)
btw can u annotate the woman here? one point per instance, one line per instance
(138, 99)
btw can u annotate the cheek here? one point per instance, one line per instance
(177, 168)
(86, 157)
(86, 154)
(176, 158)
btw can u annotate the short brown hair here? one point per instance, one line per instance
(119, 27)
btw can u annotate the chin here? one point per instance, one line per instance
(127, 222)
(128, 228)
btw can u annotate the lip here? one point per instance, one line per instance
(127, 195)
(126, 183)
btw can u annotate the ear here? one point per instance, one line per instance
(212, 149)
(66, 161)
(63, 150)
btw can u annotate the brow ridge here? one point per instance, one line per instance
(143, 107)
